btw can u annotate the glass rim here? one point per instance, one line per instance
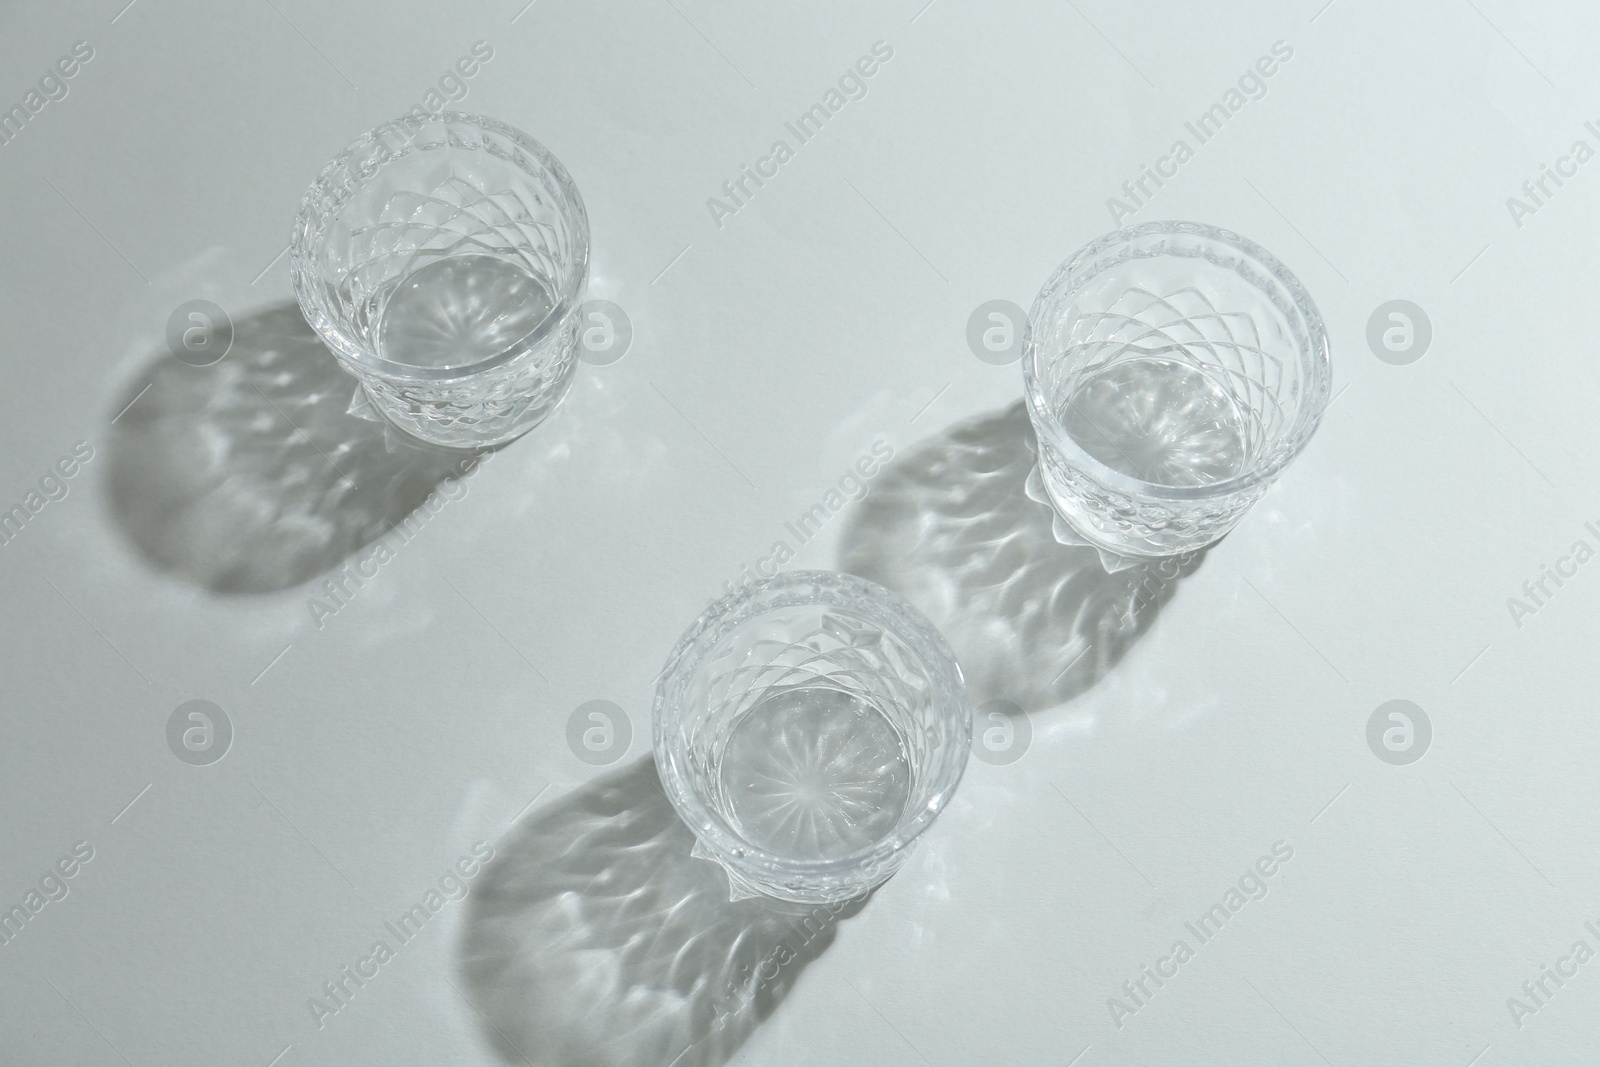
(310, 227)
(719, 619)
(1315, 398)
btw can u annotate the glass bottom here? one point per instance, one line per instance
(814, 774)
(1160, 420)
(461, 425)
(453, 314)
(462, 310)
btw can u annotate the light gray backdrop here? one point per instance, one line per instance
(772, 347)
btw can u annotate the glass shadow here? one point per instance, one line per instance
(593, 938)
(252, 475)
(950, 526)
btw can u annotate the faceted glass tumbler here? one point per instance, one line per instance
(443, 260)
(1172, 370)
(807, 729)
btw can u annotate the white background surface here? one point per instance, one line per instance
(767, 357)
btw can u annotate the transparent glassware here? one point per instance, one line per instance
(443, 260)
(1172, 370)
(807, 729)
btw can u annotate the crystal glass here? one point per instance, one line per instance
(443, 260)
(808, 728)
(1172, 370)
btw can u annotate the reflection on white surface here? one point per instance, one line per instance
(250, 475)
(594, 938)
(950, 527)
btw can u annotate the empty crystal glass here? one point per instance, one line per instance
(807, 729)
(1172, 370)
(443, 259)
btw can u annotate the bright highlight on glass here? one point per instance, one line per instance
(1172, 371)
(443, 260)
(808, 728)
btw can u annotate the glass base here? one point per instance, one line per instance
(1067, 534)
(1114, 555)
(364, 405)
